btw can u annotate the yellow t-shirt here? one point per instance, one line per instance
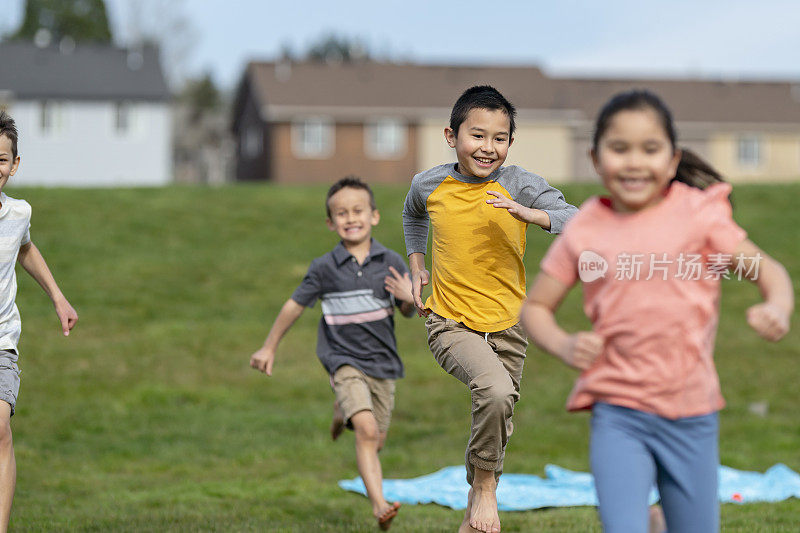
(477, 275)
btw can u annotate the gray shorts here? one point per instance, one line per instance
(9, 378)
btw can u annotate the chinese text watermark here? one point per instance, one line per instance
(688, 267)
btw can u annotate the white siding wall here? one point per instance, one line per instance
(84, 147)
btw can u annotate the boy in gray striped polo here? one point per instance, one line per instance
(359, 282)
(16, 245)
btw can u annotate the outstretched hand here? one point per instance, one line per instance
(399, 285)
(66, 315)
(517, 210)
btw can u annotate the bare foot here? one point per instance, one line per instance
(483, 512)
(465, 527)
(337, 424)
(386, 515)
(657, 522)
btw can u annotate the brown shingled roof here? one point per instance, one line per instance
(408, 87)
(373, 84)
(695, 100)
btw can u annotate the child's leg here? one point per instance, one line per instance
(9, 389)
(510, 346)
(367, 404)
(465, 527)
(467, 355)
(337, 422)
(687, 458)
(623, 468)
(483, 514)
(657, 523)
(368, 441)
(8, 466)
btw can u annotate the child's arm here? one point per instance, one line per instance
(578, 350)
(419, 278)
(263, 358)
(34, 264)
(519, 211)
(770, 319)
(400, 286)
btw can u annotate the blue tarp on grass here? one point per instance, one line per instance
(565, 488)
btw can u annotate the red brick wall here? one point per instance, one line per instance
(348, 157)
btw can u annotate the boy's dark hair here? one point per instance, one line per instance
(9, 129)
(481, 97)
(692, 169)
(352, 182)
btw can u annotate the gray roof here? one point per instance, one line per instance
(86, 72)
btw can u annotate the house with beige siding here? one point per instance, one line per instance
(315, 122)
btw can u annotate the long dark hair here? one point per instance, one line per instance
(692, 169)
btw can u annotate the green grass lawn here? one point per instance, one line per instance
(148, 417)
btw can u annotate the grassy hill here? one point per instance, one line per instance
(148, 417)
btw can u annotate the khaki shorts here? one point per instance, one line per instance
(356, 391)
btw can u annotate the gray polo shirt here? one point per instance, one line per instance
(357, 324)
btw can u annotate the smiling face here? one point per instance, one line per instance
(352, 216)
(482, 142)
(635, 159)
(8, 163)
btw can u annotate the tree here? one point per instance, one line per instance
(81, 20)
(165, 24)
(202, 96)
(332, 48)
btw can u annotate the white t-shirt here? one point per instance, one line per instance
(15, 225)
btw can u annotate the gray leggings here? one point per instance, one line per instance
(632, 450)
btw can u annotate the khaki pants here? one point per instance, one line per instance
(490, 364)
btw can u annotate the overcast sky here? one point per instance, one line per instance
(732, 39)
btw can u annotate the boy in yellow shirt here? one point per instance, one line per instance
(479, 212)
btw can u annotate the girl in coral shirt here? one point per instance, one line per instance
(650, 257)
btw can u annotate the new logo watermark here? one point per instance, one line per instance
(591, 266)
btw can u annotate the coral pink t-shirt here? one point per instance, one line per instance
(651, 289)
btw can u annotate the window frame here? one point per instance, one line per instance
(373, 140)
(750, 150)
(326, 144)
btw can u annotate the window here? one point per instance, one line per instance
(385, 138)
(749, 151)
(123, 117)
(252, 142)
(313, 138)
(51, 117)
